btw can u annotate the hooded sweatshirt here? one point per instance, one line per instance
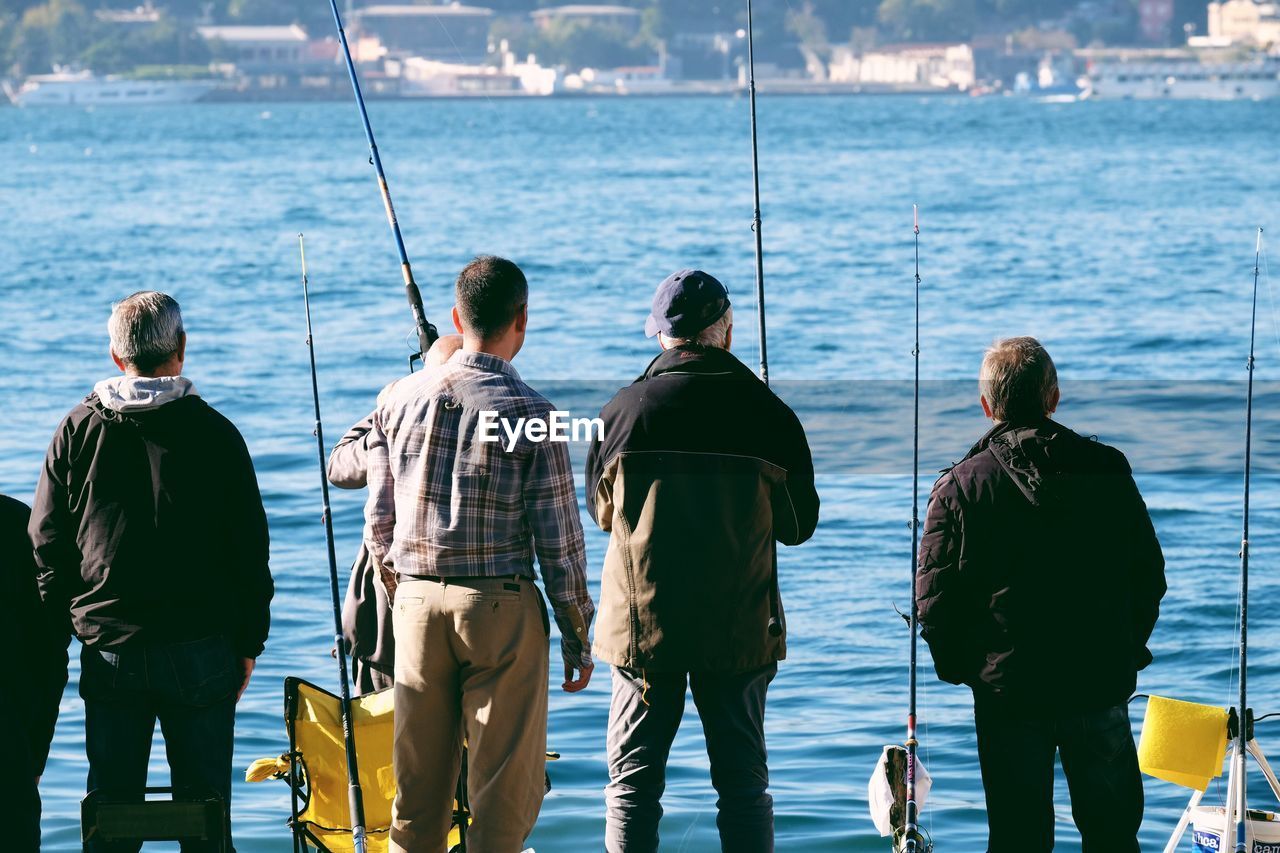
(1040, 573)
(148, 524)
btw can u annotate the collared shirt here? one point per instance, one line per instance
(445, 503)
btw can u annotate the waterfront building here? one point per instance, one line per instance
(1245, 22)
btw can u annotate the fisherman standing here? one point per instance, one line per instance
(700, 471)
(459, 519)
(149, 531)
(37, 676)
(1039, 585)
(366, 610)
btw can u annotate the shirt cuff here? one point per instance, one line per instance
(574, 647)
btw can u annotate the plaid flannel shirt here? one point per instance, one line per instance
(443, 503)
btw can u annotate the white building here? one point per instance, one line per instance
(940, 66)
(534, 79)
(634, 80)
(254, 48)
(1244, 22)
(434, 78)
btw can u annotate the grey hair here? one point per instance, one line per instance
(1018, 379)
(146, 329)
(715, 335)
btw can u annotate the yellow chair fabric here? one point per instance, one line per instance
(318, 738)
(1183, 742)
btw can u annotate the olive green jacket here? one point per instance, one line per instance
(700, 471)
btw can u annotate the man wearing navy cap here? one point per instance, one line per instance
(700, 472)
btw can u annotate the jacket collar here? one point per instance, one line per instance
(1005, 427)
(697, 360)
(484, 361)
(140, 393)
(1022, 450)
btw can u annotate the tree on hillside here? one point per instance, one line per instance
(56, 32)
(929, 20)
(166, 43)
(577, 44)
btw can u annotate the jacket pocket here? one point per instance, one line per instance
(1109, 733)
(98, 673)
(205, 671)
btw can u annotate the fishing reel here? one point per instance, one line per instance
(923, 841)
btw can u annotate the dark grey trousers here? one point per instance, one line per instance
(1017, 753)
(642, 725)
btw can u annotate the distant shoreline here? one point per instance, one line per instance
(807, 89)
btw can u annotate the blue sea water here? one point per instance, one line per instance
(1121, 234)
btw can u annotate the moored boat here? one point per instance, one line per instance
(1184, 75)
(83, 88)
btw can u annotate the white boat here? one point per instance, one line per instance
(1185, 78)
(82, 88)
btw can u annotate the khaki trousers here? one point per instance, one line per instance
(471, 660)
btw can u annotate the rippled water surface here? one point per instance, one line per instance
(1119, 233)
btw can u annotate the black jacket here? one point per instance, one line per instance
(1040, 572)
(700, 470)
(149, 526)
(36, 672)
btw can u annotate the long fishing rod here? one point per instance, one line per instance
(425, 331)
(912, 842)
(755, 177)
(1245, 723)
(354, 794)
(775, 610)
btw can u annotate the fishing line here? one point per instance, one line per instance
(426, 332)
(1266, 276)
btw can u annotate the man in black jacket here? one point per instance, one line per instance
(1040, 583)
(35, 677)
(700, 470)
(149, 530)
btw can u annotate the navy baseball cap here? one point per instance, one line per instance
(685, 304)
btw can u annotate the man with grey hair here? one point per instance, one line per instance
(700, 471)
(1039, 586)
(149, 532)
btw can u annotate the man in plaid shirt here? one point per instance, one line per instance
(459, 518)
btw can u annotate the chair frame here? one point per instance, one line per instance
(304, 839)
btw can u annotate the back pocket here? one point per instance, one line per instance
(205, 671)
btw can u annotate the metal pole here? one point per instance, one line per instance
(355, 795)
(1245, 724)
(425, 331)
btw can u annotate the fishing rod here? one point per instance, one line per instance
(354, 793)
(910, 831)
(775, 609)
(912, 842)
(425, 331)
(1245, 725)
(755, 222)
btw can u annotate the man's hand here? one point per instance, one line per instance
(584, 677)
(247, 665)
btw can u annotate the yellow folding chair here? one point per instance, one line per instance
(315, 767)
